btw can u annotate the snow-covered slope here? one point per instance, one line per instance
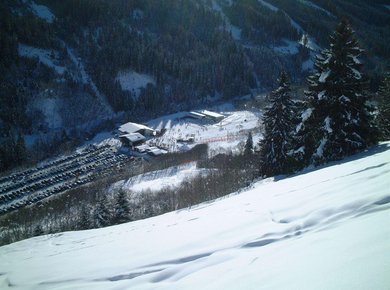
(322, 229)
(156, 180)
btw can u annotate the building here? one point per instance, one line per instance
(132, 139)
(216, 117)
(130, 128)
(196, 115)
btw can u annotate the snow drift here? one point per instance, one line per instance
(322, 229)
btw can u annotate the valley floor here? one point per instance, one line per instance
(322, 229)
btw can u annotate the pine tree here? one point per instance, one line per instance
(121, 208)
(84, 221)
(38, 231)
(384, 108)
(20, 149)
(278, 127)
(102, 215)
(249, 145)
(338, 120)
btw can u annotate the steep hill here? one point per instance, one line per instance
(321, 229)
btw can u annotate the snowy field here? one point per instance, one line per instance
(221, 137)
(156, 180)
(322, 229)
(133, 82)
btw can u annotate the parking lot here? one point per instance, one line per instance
(31, 186)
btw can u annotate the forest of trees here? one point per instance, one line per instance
(185, 46)
(337, 117)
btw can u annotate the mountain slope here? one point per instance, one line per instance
(322, 229)
(73, 67)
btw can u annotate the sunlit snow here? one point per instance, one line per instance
(157, 180)
(133, 81)
(321, 229)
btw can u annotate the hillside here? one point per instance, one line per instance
(320, 229)
(71, 69)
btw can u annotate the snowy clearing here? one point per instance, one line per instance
(42, 12)
(157, 180)
(45, 56)
(322, 229)
(290, 47)
(133, 82)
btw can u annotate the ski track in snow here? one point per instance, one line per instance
(235, 31)
(321, 229)
(313, 5)
(45, 56)
(87, 80)
(311, 44)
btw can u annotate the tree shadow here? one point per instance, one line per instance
(377, 149)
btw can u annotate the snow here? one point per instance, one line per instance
(313, 5)
(307, 65)
(311, 43)
(324, 75)
(221, 137)
(290, 47)
(42, 12)
(357, 74)
(269, 6)
(306, 114)
(344, 99)
(327, 122)
(322, 229)
(356, 60)
(234, 30)
(157, 180)
(86, 79)
(50, 108)
(133, 82)
(321, 95)
(320, 148)
(45, 56)
(130, 127)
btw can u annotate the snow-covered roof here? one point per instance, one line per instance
(133, 137)
(211, 114)
(197, 115)
(155, 151)
(133, 128)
